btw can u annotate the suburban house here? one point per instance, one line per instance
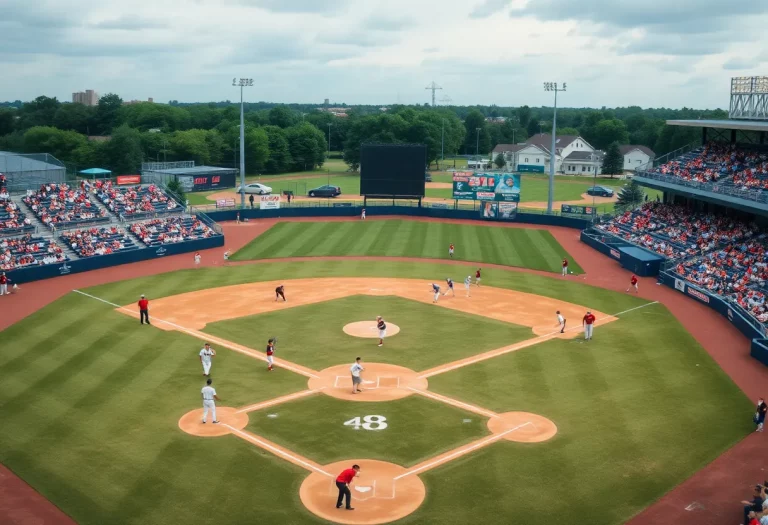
(636, 156)
(573, 155)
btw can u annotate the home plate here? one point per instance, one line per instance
(272, 416)
(467, 420)
(363, 489)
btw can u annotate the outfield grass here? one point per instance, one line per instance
(92, 400)
(526, 248)
(416, 429)
(321, 343)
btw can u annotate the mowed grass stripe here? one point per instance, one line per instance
(522, 247)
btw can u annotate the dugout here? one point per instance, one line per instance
(192, 178)
(639, 261)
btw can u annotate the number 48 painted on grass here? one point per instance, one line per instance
(368, 423)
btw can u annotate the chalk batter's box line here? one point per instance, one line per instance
(378, 382)
(375, 493)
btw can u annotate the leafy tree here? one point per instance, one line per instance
(39, 112)
(7, 120)
(499, 161)
(630, 196)
(607, 131)
(307, 145)
(175, 187)
(613, 163)
(283, 117)
(567, 131)
(256, 149)
(524, 116)
(57, 142)
(107, 113)
(122, 153)
(191, 145)
(472, 122)
(75, 117)
(279, 151)
(532, 128)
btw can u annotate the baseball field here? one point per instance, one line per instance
(475, 410)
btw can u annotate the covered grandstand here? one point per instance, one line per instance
(24, 171)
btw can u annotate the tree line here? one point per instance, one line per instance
(296, 137)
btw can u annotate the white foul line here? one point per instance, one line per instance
(275, 450)
(218, 340)
(454, 402)
(463, 451)
(278, 400)
(519, 346)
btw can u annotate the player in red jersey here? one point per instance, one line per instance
(343, 481)
(477, 277)
(450, 250)
(588, 321)
(633, 284)
(280, 292)
(270, 354)
(565, 266)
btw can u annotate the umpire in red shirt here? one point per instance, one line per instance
(343, 482)
(144, 309)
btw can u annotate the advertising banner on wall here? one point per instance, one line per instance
(128, 179)
(577, 210)
(206, 182)
(500, 187)
(269, 202)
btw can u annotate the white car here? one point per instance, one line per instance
(256, 188)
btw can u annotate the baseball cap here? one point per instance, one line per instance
(142, 296)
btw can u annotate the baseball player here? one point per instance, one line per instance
(226, 255)
(467, 284)
(382, 326)
(565, 266)
(209, 401)
(362, 214)
(477, 277)
(144, 309)
(560, 322)
(206, 355)
(357, 379)
(450, 251)
(280, 292)
(449, 281)
(588, 321)
(270, 354)
(198, 258)
(436, 291)
(3, 284)
(633, 284)
(343, 481)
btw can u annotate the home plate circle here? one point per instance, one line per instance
(369, 329)
(522, 427)
(377, 496)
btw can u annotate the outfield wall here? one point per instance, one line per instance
(36, 273)
(405, 211)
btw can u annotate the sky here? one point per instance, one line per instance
(651, 53)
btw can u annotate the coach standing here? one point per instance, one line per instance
(144, 309)
(3, 284)
(343, 481)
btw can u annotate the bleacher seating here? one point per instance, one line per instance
(98, 241)
(20, 252)
(740, 166)
(127, 201)
(59, 205)
(169, 230)
(12, 220)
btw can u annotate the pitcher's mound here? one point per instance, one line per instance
(377, 496)
(368, 329)
(522, 427)
(192, 422)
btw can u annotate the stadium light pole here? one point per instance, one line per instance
(552, 86)
(243, 82)
(477, 144)
(329, 139)
(442, 144)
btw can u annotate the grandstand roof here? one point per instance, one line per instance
(195, 170)
(743, 125)
(17, 162)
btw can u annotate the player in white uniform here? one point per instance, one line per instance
(362, 214)
(209, 401)
(382, 326)
(198, 258)
(560, 322)
(449, 282)
(467, 284)
(357, 379)
(206, 354)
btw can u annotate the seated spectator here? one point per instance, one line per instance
(97, 241)
(171, 230)
(28, 251)
(58, 204)
(755, 504)
(127, 201)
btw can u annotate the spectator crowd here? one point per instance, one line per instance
(127, 201)
(171, 230)
(98, 241)
(59, 205)
(26, 251)
(12, 220)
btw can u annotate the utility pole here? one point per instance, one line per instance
(442, 143)
(477, 144)
(243, 82)
(552, 86)
(433, 87)
(329, 139)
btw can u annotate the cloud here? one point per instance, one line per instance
(488, 8)
(386, 22)
(130, 23)
(735, 64)
(298, 6)
(358, 38)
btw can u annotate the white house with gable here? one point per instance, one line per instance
(636, 156)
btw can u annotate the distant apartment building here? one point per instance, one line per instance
(88, 97)
(149, 100)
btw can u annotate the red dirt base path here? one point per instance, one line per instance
(713, 493)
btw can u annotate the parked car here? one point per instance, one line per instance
(255, 188)
(600, 191)
(428, 177)
(325, 191)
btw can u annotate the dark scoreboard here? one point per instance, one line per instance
(392, 170)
